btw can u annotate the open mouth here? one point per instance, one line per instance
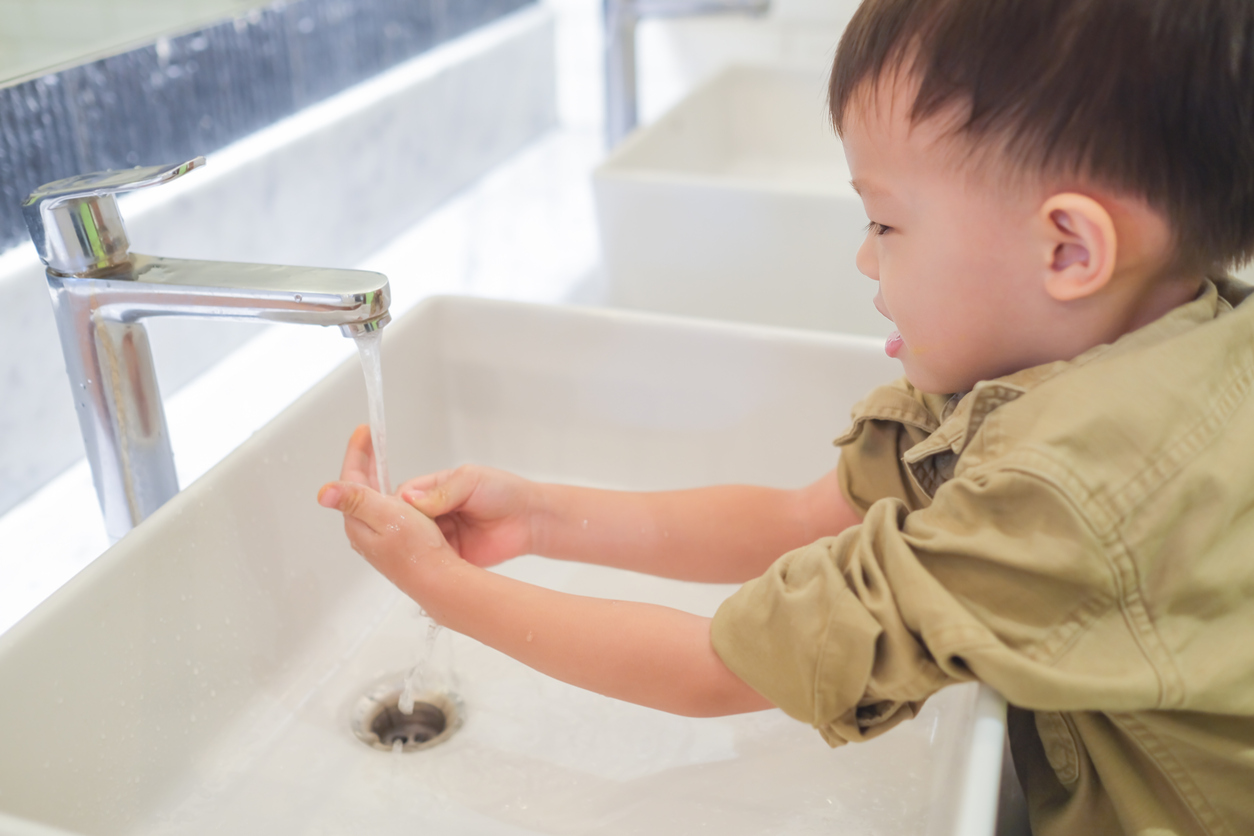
(894, 343)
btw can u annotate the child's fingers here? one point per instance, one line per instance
(445, 495)
(424, 483)
(359, 502)
(359, 459)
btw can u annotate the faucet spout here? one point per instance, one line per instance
(153, 286)
(357, 329)
(101, 295)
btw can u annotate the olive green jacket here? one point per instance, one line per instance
(1078, 535)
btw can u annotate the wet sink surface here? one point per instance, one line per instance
(200, 677)
(538, 756)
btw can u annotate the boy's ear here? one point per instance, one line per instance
(1081, 244)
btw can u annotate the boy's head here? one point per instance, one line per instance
(1043, 175)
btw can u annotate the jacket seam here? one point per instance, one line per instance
(1123, 575)
(1204, 813)
(1136, 612)
(1185, 446)
(821, 661)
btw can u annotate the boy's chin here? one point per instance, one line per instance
(929, 381)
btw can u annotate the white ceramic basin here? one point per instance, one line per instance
(199, 677)
(736, 205)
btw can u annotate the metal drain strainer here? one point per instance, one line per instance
(379, 722)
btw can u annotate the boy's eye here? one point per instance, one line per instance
(877, 228)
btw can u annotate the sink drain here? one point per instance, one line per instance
(379, 722)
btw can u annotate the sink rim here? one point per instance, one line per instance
(598, 318)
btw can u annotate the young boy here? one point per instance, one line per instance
(1058, 499)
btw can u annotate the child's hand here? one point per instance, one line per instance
(640, 652)
(486, 515)
(397, 540)
(359, 464)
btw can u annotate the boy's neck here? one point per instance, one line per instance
(1160, 298)
(1132, 301)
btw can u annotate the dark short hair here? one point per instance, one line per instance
(1149, 97)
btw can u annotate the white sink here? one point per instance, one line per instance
(200, 676)
(736, 205)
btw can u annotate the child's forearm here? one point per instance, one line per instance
(724, 534)
(641, 653)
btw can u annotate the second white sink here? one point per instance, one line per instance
(736, 205)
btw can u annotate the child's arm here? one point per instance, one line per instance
(728, 533)
(720, 534)
(641, 653)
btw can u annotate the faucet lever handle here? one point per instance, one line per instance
(75, 222)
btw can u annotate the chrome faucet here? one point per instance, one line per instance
(621, 17)
(102, 292)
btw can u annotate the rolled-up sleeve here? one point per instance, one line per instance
(821, 636)
(999, 578)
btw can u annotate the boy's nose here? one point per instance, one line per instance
(868, 265)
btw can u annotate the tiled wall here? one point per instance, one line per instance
(194, 93)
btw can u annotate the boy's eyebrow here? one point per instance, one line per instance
(866, 188)
(870, 188)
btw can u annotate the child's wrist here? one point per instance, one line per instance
(443, 585)
(430, 577)
(539, 517)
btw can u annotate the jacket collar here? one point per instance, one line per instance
(954, 420)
